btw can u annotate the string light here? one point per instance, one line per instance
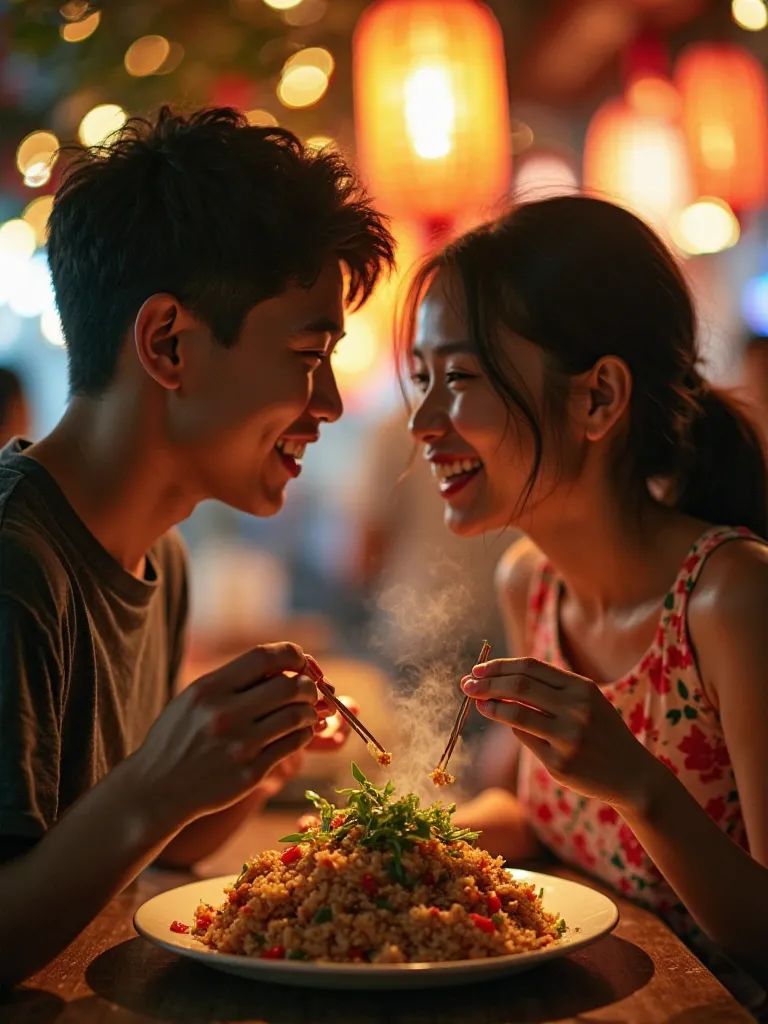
(751, 15)
(36, 215)
(706, 226)
(77, 31)
(302, 86)
(101, 122)
(145, 56)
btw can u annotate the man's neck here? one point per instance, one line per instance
(118, 476)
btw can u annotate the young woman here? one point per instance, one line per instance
(556, 354)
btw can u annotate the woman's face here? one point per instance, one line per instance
(479, 452)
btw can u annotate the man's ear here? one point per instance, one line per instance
(603, 396)
(157, 330)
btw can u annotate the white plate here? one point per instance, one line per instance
(588, 914)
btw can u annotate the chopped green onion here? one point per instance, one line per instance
(323, 915)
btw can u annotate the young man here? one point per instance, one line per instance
(198, 265)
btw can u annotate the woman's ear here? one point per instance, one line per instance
(605, 392)
(157, 332)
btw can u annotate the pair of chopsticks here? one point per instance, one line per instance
(314, 671)
(461, 718)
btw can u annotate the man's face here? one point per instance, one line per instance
(243, 415)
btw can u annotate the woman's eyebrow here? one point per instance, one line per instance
(447, 348)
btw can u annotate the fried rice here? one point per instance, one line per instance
(335, 900)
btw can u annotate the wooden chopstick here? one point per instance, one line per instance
(461, 717)
(314, 670)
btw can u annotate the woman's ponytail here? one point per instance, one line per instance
(724, 476)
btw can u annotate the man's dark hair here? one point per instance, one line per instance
(218, 213)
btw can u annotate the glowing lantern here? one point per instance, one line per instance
(725, 118)
(431, 108)
(638, 161)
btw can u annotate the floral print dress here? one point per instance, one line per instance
(664, 704)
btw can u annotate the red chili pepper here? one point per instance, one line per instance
(204, 920)
(494, 904)
(429, 878)
(485, 924)
(338, 821)
(274, 953)
(291, 855)
(530, 894)
(177, 926)
(434, 912)
(370, 884)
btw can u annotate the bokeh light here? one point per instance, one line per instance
(17, 239)
(146, 55)
(36, 214)
(312, 56)
(261, 118)
(50, 327)
(33, 290)
(654, 96)
(101, 122)
(706, 226)
(35, 157)
(318, 142)
(302, 86)
(540, 174)
(751, 15)
(77, 31)
(282, 5)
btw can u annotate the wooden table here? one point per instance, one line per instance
(642, 974)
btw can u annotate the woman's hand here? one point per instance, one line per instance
(567, 722)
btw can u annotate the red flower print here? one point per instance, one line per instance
(670, 764)
(682, 586)
(563, 806)
(541, 777)
(633, 851)
(715, 808)
(544, 813)
(676, 624)
(691, 562)
(702, 757)
(607, 815)
(654, 872)
(637, 721)
(679, 658)
(580, 845)
(653, 666)
(625, 885)
(539, 597)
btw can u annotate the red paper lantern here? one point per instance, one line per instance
(725, 119)
(431, 108)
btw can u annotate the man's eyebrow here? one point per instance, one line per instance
(324, 325)
(447, 348)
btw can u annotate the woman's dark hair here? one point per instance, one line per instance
(219, 213)
(582, 279)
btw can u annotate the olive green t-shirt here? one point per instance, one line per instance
(89, 654)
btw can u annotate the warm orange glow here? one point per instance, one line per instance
(431, 107)
(725, 117)
(639, 162)
(654, 96)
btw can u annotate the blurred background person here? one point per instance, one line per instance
(15, 418)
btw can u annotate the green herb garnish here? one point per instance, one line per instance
(497, 919)
(323, 915)
(541, 893)
(390, 825)
(383, 904)
(561, 926)
(296, 954)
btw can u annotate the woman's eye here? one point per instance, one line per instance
(420, 381)
(455, 376)
(318, 356)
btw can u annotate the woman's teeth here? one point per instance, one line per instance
(446, 470)
(295, 449)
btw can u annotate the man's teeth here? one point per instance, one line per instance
(445, 470)
(293, 448)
